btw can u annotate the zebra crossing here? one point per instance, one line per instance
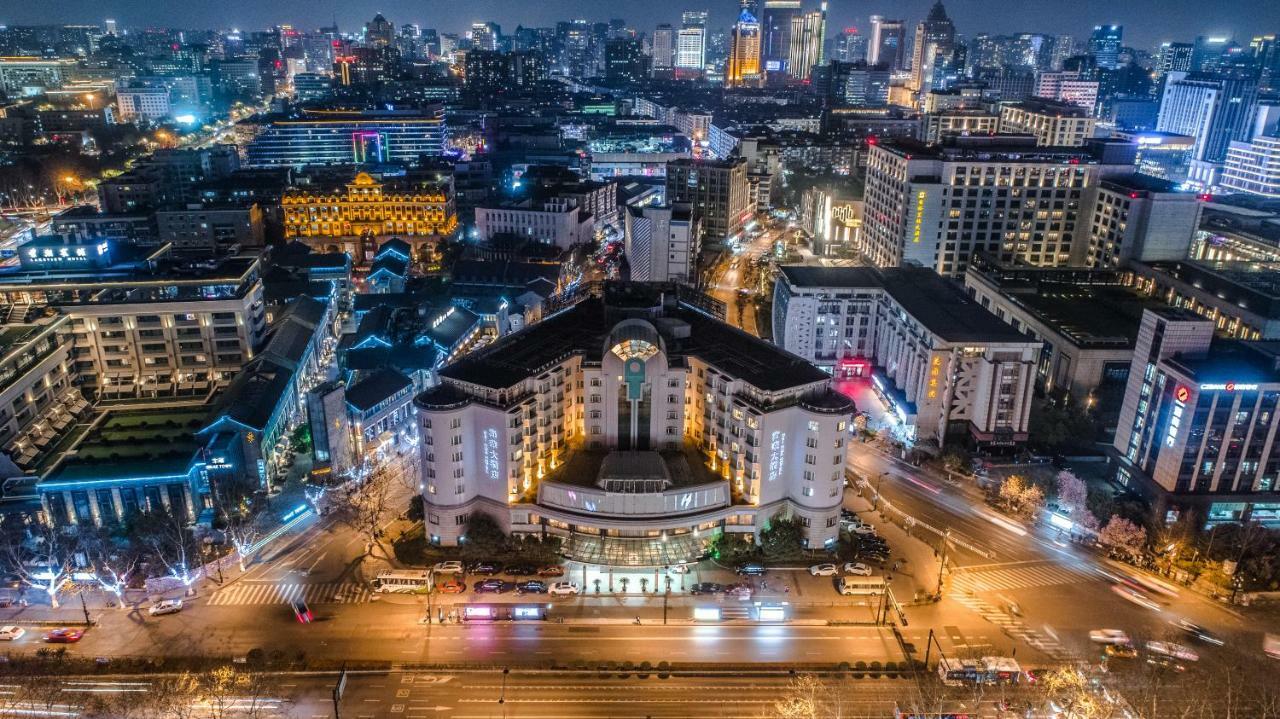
(276, 593)
(1004, 577)
(1015, 627)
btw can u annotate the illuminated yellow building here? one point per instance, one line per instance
(352, 218)
(743, 65)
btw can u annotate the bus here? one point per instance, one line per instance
(986, 670)
(403, 580)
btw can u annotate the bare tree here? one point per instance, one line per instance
(40, 557)
(240, 525)
(171, 543)
(366, 505)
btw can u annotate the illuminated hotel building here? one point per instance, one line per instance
(944, 365)
(347, 136)
(336, 219)
(743, 66)
(1198, 427)
(637, 426)
(935, 205)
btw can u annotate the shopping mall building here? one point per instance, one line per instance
(637, 425)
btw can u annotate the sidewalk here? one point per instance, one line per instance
(917, 576)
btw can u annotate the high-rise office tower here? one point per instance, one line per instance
(1173, 57)
(743, 65)
(1215, 109)
(850, 46)
(624, 61)
(664, 47)
(775, 27)
(1104, 44)
(807, 33)
(1266, 55)
(935, 41)
(485, 35)
(379, 32)
(888, 41)
(110, 26)
(691, 41)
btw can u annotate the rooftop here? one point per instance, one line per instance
(583, 328)
(135, 443)
(1233, 361)
(377, 387)
(932, 300)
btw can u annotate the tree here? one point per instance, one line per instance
(1124, 536)
(42, 558)
(366, 505)
(1020, 496)
(239, 524)
(484, 538)
(1073, 493)
(782, 537)
(1071, 690)
(171, 543)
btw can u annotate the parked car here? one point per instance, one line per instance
(450, 567)
(562, 588)
(452, 586)
(522, 570)
(493, 586)
(65, 635)
(484, 568)
(706, 588)
(751, 569)
(1108, 636)
(532, 586)
(167, 606)
(551, 570)
(10, 633)
(681, 568)
(823, 570)
(1198, 632)
(857, 569)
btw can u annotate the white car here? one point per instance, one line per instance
(857, 569)
(449, 567)
(562, 588)
(1170, 649)
(167, 606)
(1108, 636)
(823, 570)
(681, 568)
(862, 529)
(11, 633)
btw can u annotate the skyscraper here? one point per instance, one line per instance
(379, 32)
(624, 61)
(850, 46)
(1214, 108)
(743, 66)
(664, 47)
(485, 35)
(1104, 44)
(691, 41)
(887, 42)
(806, 50)
(1173, 57)
(935, 42)
(775, 26)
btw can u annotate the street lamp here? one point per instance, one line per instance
(875, 503)
(942, 563)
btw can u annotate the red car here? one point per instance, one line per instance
(65, 635)
(551, 570)
(452, 586)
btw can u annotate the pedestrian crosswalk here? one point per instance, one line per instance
(1003, 577)
(276, 593)
(1015, 627)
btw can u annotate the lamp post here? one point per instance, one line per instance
(875, 501)
(942, 564)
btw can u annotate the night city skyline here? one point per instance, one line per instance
(1148, 22)
(764, 359)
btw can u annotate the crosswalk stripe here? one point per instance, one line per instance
(324, 593)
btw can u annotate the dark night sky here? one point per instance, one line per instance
(1146, 21)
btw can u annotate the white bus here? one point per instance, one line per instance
(403, 580)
